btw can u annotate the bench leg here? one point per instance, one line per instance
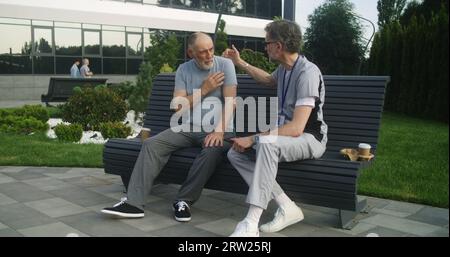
(347, 218)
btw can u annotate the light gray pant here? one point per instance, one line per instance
(260, 174)
(155, 153)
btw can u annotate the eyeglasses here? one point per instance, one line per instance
(270, 42)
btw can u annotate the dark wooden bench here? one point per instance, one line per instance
(61, 89)
(352, 110)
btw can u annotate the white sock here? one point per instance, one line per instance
(254, 214)
(283, 200)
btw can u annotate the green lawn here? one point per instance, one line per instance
(411, 163)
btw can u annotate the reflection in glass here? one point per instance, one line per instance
(250, 7)
(95, 65)
(193, 4)
(236, 6)
(91, 42)
(275, 8)
(133, 66)
(16, 39)
(113, 66)
(67, 41)
(134, 42)
(63, 64)
(113, 43)
(43, 64)
(262, 8)
(43, 41)
(208, 5)
(10, 64)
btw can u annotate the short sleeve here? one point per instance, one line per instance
(308, 84)
(275, 74)
(230, 73)
(180, 80)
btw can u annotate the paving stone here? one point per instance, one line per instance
(4, 200)
(24, 175)
(47, 183)
(3, 226)
(402, 207)
(94, 224)
(222, 227)
(183, 230)
(12, 169)
(403, 225)
(326, 232)
(442, 232)
(210, 204)
(22, 192)
(383, 232)
(81, 196)
(6, 179)
(151, 221)
(359, 228)
(56, 207)
(57, 229)
(8, 232)
(18, 216)
(299, 229)
(431, 215)
(320, 219)
(87, 181)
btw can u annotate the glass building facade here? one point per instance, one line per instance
(50, 47)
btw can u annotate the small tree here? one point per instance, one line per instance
(221, 38)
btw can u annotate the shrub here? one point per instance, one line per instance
(69, 133)
(114, 130)
(90, 107)
(36, 111)
(21, 125)
(55, 112)
(123, 89)
(257, 59)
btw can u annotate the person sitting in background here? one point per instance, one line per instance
(85, 71)
(75, 71)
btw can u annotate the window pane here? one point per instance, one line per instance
(43, 40)
(208, 5)
(68, 41)
(113, 43)
(250, 7)
(63, 64)
(10, 64)
(178, 3)
(151, 1)
(16, 39)
(275, 8)
(113, 66)
(43, 65)
(133, 66)
(193, 4)
(236, 7)
(134, 44)
(262, 8)
(42, 23)
(92, 42)
(15, 21)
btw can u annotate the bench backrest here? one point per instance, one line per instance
(352, 110)
(62, 88)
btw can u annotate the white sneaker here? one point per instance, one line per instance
(245, 229)
(283, 218)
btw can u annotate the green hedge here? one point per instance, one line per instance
(69, 133)
(114, 130)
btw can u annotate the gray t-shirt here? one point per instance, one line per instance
(305, 80)
(189, 77)
(84, 70)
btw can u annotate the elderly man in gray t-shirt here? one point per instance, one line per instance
(301, 132)
(203, 80)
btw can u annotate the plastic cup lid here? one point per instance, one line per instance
(364, 146)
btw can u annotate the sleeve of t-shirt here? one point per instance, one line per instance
(180, 81)
(275, 74)
(230, 73)
(308, 84)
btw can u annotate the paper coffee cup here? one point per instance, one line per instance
(145, 133)
(364, 149)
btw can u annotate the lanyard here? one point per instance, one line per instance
(284, 91)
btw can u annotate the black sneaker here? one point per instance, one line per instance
(124, 210)
(182, 212)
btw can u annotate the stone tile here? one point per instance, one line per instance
(222, 227)
(320, 219)
(87, 181)
(431, 215)
(81, 196)
(2, 226)
(238, 199)
(108, 189)
(443, 232)
(235, 212)
(151, 221)
(379, 203)
(326, 232)
(183, 230)
(18, 216)
(8, 232)
(57, 229)
(383, 232)
(12, 169)
(22, 192)
(399, 209)
(56, 207)
(316, 208)
(4, 200)
(210, 204)
(24, 175)
(200, 216)
(55, 170)
(358, 229)
(403, 225)
(47, 183)
(6, 179)
(72, 173)
(94, 224)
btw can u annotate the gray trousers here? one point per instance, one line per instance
(155, 153)
(259, 168)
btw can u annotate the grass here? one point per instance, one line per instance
(411, 163)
